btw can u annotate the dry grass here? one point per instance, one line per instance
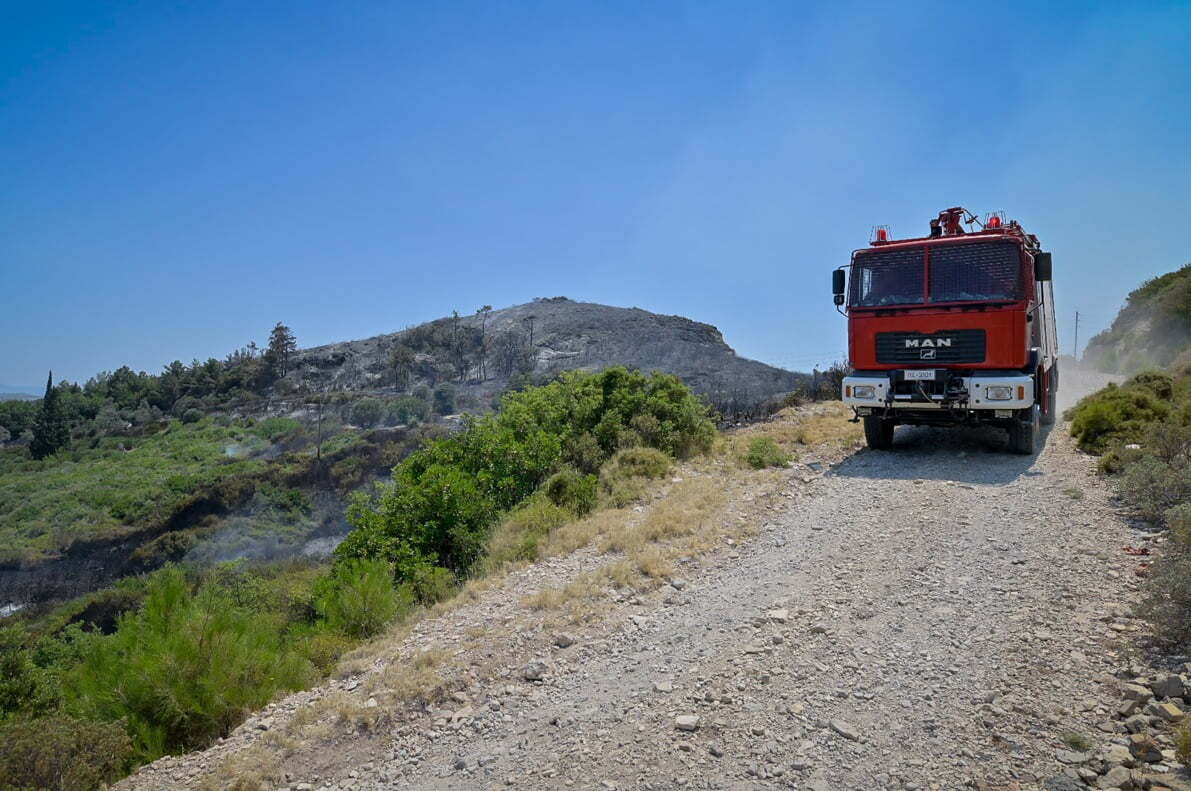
(826, 424)
(253, 769)
(578, 534)
(689, 508)
(581, 588)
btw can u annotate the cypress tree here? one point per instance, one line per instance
(50, 432)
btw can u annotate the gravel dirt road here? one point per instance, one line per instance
(940, 616)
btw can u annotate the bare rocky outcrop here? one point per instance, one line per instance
(543, 337)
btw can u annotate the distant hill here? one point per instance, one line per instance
(1153, 329)
(538, 339)
(18, 393)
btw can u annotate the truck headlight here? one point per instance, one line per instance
(999, 393)
(864, 391)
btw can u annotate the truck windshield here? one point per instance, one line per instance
(967, 272)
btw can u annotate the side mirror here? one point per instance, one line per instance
(1042, 267)
(837, 285)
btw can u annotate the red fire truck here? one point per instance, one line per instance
(954, 328)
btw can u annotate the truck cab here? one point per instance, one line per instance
(953, 328)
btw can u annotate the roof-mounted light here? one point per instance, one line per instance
(880, 234)
(995, 221)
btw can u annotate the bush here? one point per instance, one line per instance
(367, 412)
(406, 410)
(192, 416)
(764, 452)
(622, 479)
(573, 491)
(358, 598)
(61, 754)
(1120, 415)
(1152, 486)
(273, 428)
(1182, 743)
(445, 498)
(430, 584)
(185, 669)
(444, 399)
(25, 688)
(638, 463)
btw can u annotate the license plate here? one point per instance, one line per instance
(928, 374)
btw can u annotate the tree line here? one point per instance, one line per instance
(125, 394)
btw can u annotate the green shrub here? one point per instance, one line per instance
(764, 452)
(367, 412)
(1182, 743)
(584, 453)
(183, 670)
(1118, 415)
(61, 753)
(406, 410)
(1152, 486)
(430, 584)
(444, 399)
(358, 598)
(638, 463)
(322, 645)
(1178, 520)
(166, 548)
(570, 489)
(445, 498)
(623, 478)
(192, 416)
(25, 688)
(273, 428)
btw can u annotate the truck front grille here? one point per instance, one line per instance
(943, 347)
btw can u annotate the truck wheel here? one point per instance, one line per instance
(878, 433)
(1023, 431)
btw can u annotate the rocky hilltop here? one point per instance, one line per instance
(482, 352)
(1152, 330)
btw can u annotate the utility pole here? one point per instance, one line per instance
(1075, 346)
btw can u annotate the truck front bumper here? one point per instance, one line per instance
(879, 392)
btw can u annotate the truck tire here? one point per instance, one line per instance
(878, 433)
(1023, 431)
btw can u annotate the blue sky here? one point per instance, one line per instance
(178, 177)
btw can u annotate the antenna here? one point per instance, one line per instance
(1075, 346)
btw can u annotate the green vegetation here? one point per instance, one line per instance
(142, 398)
(117, 484)
(188, 655)
(358, 598)
(1153, 330)
(445, 499)
(174, 659)
(185, 668)
(50, 431)
(764, 452)
(1143, 431)
(444, 399)
(1120, 415)
(61, 753)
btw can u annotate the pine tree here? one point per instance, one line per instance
(50, 432)
(282, 344)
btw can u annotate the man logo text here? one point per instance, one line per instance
(928, 343)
